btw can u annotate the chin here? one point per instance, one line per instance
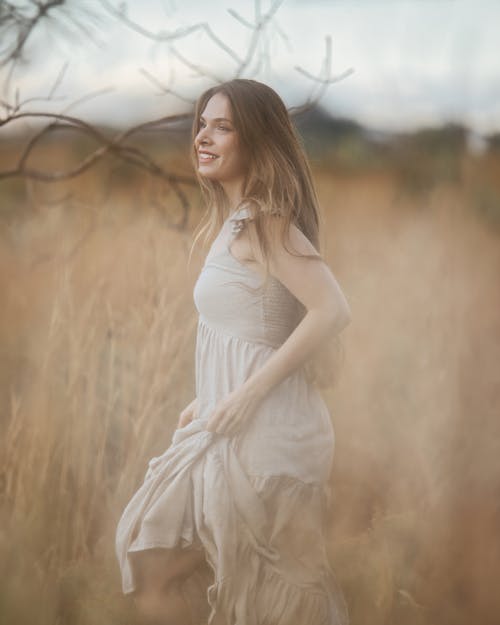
(207, 174)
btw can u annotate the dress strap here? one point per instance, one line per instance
(239, 218)
(242, 215)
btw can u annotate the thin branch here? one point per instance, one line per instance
(17, 25)
(322, 81)
(19, 105)
(173, 35)
(164, 90)
(27, 26)
(325, 81)
(87, 97)
(58, 80)
(115, 146)
(201, 71)
(258, 27)
(240, 19)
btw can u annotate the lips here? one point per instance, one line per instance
(206, 157)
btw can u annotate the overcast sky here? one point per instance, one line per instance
(415, 62)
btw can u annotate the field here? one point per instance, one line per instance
(97, 329)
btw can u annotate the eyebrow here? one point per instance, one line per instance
(218, 119)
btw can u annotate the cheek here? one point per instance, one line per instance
(231, 147)
(237, 155)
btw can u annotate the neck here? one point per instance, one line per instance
(234, 193)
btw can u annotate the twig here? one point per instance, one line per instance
(324, 80)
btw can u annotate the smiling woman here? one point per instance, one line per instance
(228, 526)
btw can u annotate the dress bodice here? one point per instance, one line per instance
(225, 300)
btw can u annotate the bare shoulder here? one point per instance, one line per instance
(310, 280)
(284, 242)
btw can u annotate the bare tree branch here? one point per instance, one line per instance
(11, 15)
(169, 36)
(58, 80)
(20, 22)
(322, 81)
(164, 89)
(115, 146)
(197, 69)
(261, 21)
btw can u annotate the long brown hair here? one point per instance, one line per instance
(278, 182)
(278, 179)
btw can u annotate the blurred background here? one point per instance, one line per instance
(398, 106)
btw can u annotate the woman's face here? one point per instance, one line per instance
(217, 144)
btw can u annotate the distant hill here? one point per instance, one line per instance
(317, 125)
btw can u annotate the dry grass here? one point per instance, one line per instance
(97, 331)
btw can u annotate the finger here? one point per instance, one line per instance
(223, 423)
(216, 427)
(225, 426)
(211, 425)
(236, 424)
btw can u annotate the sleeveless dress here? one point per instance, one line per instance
(254, 501)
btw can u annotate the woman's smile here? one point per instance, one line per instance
(206, 157)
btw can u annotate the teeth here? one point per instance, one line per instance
(207, 156)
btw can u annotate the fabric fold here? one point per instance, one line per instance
(267, 558)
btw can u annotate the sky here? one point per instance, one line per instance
(413, 63)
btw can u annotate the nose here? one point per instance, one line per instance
(203, 136)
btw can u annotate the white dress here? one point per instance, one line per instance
(255, 501)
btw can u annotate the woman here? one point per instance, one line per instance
(228, 526)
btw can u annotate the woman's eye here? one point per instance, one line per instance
(219, 126)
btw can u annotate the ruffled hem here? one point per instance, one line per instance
(265, 596)
(263, 536)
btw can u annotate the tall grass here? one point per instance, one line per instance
(98, 342)
(110, 371)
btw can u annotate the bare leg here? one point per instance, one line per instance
(167, 607)
(160, 573)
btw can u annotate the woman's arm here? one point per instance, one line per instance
(328, 312)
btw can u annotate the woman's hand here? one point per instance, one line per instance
(233, 411)
(188, 414)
